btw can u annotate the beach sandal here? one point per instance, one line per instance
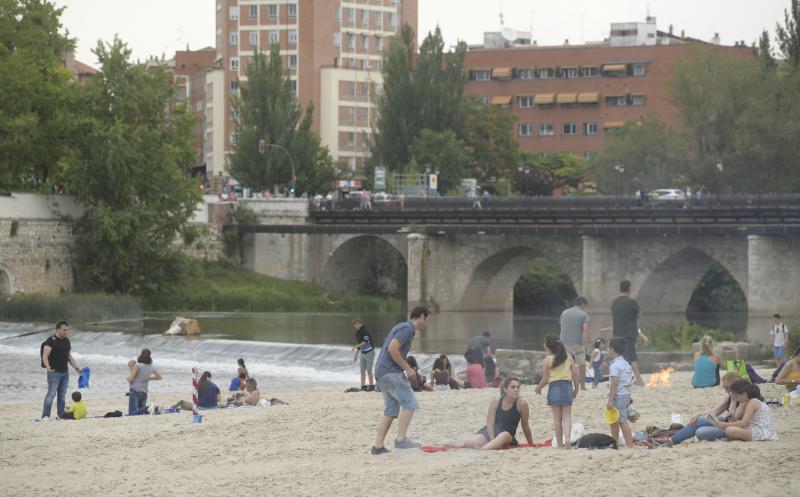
(376, 451)
(406, 444)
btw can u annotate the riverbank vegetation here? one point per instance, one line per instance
(71, 307)
(670, 337)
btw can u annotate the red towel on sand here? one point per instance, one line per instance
(445, 448)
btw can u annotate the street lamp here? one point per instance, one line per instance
(621, 170)
(262, 147)
(719, 165)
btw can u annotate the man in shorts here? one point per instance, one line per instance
(625, 315)
(366, 350)
(399, 400)
(575, 335)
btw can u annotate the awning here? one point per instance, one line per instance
(588, 98)
(613, 124)
(544, 98)
(501, 100)
(501, 72)
(568, 67)
(567, 98)
(615, 68)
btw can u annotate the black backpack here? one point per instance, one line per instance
(597, 440)
(41, 351)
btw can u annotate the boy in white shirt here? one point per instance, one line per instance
(779, 335)
(620, 377)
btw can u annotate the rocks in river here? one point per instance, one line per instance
(183, 326)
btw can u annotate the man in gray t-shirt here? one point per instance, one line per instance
(575, 334)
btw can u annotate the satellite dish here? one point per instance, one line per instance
(508, 34)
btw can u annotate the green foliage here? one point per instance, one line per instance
(440, 150)
(221, 286)
(488, 137)
(35, 93)
(133, 142)
(550, 172)
(231, 239)
(670, 337)
(543, 288)
(269, 112)
(717, 291)
(789, 34)
(652, 154)
(737, 111)
(388, 275)
(75, 308)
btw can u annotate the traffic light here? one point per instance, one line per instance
(293, 185)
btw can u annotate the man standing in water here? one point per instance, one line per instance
(367, 352)
(625, 315)
(396, 389)
(575, 335)
(56, 356)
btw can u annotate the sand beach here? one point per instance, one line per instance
(318, 445)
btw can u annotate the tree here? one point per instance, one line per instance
(645, 154)
(551, 172)
(422, 92)
(789, 34)
(269, 114)
(488, 135)
(35, 91)
(132, 141)
(441, 151)
(765, 52)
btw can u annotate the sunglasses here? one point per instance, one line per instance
(514, 387)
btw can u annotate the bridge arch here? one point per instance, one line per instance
(668, 288)
(366, 264)
(491, 284)
(6, 282)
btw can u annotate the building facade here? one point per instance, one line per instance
(568, 98)
(331, 50)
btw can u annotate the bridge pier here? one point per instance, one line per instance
(773, 272)
(418, 265)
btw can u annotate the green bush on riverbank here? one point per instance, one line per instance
(669, 337)
(73, 307)
(221, 286)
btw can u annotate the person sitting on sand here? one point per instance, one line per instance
(418, 382)
(250, 396)
(701, 425)
(706, 365)
(473, 376)
(77, 410)
(502, 419)
(208, 396)
(790, 373)
(238, 383)
(440, 376)
(242, 368)
(756, 423)
(454, 383)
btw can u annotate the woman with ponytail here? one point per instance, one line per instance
(560, 372)
(756, 423)
(504, 416)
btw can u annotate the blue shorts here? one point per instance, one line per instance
(778, 351)
(397, 393)
(559, 393)
(367, 359)
(621, 402)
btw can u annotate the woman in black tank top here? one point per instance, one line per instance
(504, 416)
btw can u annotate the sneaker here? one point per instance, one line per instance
(406, 444)
(45, 418)
(376, 451)
(157, 409)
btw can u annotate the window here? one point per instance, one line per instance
(364, 89)
(234, 88)
(254, 38)
(526, 129)
(379, 20)
(254, 12)
(569, 129)
(639, 69)
(233, 13)
(337, 39)
(525, 102)
(292, 37)
(274, 37)
(481, 75)
(272, 11)
(292, 61)
(547, 130)
(363, 118)
(351, 139)
(393, 20)
(293, 86)
(526, 74)
(486, 100)
(364, 42)
(616, 101)
(292, 10)
(351, 41)
(637, 100)
(590, 72)
(233, 138)
(569, 72)
(364, 19)
(351, 115)
(234, 64)
(338, 13)
(378, 42)
(378, 89)
(351, 163)
(350, 88)
(590, 129)
(351, 16)
(364, 140)
(545, 73)
(233, 38)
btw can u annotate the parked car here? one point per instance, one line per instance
(669, 195)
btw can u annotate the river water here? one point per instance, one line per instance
(281, 350)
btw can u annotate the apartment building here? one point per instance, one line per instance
(569, 98)
(331, 50)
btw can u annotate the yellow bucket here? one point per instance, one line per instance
(611, 416)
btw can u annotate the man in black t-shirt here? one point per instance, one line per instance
(366, 348)
(56, 357)
(625, 315)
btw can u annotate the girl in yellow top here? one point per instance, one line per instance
(559, 371)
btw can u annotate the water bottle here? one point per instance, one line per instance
(676, 418)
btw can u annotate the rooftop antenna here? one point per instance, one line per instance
(501, 13)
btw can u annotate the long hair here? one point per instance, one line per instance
(201, 385)
(144, 357)
(412, 361)
(556, 347)
(504, 386)
(706, 345)
(744, 386)
(439, 364)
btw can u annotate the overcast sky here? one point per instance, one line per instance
(153, 27)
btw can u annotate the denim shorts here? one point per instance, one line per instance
(559, 393)
(397, 393)
(367, 359)
(778, 352)
(621, 403)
